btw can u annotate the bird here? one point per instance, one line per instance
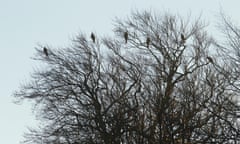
(45, 51)
(148, 42)
(126, 36)
(182, 37)
(210, 59)
(93, 37)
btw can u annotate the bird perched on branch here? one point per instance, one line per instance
(93, 37)
(183, 39)
(45, 51)
(148, 42)
(210, 59)
(126, 36)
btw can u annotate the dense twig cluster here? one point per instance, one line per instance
(158, 86)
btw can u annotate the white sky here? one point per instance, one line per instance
(25, 23)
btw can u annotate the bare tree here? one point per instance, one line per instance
(159, 85)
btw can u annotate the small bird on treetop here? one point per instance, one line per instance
(45, 51)
(182, 37)
(210, 59)
(148, 42)
(93, 37)
(126, 36)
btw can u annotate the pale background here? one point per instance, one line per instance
(25, 23)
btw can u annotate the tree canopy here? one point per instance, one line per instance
(159, 79)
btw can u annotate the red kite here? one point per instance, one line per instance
(45, 51)
(126, 36)
(210, 59)
(93, 37)
(148, 42)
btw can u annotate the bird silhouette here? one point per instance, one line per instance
(45, 51)
(93, 37)
(210, 59)
(148, 42)
(182, 37)
(126, 36)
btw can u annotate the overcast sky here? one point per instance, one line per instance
(26, 23)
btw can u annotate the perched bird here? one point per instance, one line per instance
(45, 51)
(148, 42)
(210, 59)
(93, 37)
(182, 37)
(126, 36)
